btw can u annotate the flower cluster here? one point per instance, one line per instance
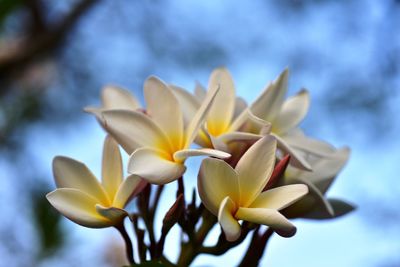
(259, 167)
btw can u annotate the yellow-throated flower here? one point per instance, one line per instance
(230, 119)
(227, 113)
(158, 140)
(84, 200)
(236, 194)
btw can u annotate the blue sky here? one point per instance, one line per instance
(344, 52)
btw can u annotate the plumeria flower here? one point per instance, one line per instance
(237, 194)
(229, 118)
(114, 97)
(227, 114)
(158, 140)
(284, 115)
(325, 169)
(84, 200)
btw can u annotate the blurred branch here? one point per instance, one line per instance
(46, 40)
(38, 22)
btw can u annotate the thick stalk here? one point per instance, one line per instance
(191, 249)
(128, 243)
(256, 248)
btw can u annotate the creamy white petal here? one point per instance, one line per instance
(314, 196)
(221, 111)
(240, 106)
(111, 167)
(164, 109)
(97, 112)
(201, 114)
(250, 121)
(255, 168)
(228, 222)
(292, 113)
(114, 97)
(133, 129)
(239, 136)
(77, 206)
(69, 173)
(113, 214)
(154, 166)
(217, 180)
(212, 141)
(187, 101)
(296, 159)
(200, 92)
(182, 155)
(269, 103)
(280, 197)
(326, 169)
(129, 188)
(309, 145)
(269, 217)
(219, 144)
(203, 139)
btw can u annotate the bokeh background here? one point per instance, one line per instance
(55, 56)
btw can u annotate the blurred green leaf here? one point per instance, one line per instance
(7, 7)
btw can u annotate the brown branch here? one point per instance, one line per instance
(41, 43)
(38, 21)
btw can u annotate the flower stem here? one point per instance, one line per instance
(128, 243)
(256, 248)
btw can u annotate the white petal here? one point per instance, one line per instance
(325, 169)
(129, 188)
(111, 167)
(250, 121)
(69, 173)
(240, 106)
(292, 113)
(134, 129)
(239, 136)
(182, 155)
(316, 196)
(309, 145)
(221, 111)
(164, 109)
(97, 112)
(255, 168)
(296, 159)
(216, 181)
(280, 197)
(154, 166)
(114, 97)
(212, 142)
(269, 217)
(115, 215)
(198, 120)
(187, 101)
(269, 103)
(77, 206)
(200, 92)
(203, 139)
(228, 222)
